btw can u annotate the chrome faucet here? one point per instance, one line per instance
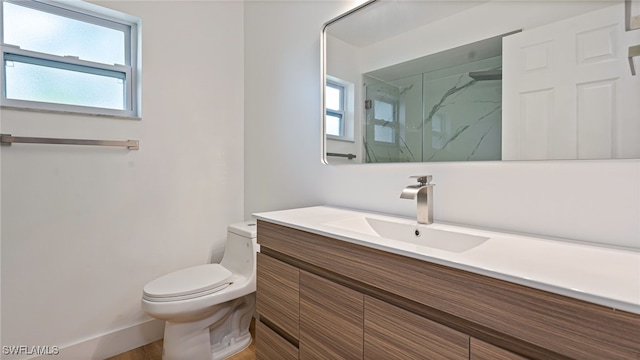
(424, 190)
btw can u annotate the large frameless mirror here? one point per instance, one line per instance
(423, 81)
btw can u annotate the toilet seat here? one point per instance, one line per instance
(188, 283)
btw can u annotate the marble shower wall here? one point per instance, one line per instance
(443, 115)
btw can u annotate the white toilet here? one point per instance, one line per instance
(208, 308)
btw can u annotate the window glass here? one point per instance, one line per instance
(384, 133)
(40, 31)
(383, 111)
(334, 124)
(31, 82)
(334, 101)
(61, 58)
(334, 98)
(384, 130)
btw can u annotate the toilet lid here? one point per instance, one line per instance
(189, 281)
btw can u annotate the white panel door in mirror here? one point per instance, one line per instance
(562, 97)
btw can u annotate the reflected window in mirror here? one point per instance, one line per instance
(339, 104)
(335, 109)
(386, 123)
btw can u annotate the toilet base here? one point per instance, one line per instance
(239, 344)
(224, 332)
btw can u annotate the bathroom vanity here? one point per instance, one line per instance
(329, 286)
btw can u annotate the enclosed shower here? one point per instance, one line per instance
(443, 108)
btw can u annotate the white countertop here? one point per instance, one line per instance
(601, 275)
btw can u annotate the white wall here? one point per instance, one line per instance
(596, 201)
(84, 228)
(282, 103)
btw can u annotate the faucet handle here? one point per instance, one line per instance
(422, 179)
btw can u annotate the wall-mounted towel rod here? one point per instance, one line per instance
(9, 139)
(350, 156)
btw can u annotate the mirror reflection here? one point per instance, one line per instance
(423, 81)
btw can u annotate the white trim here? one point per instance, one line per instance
(50, 111)
(111, 343)
(63, 59)
(65, 108)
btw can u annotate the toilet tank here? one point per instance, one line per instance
(240, 249)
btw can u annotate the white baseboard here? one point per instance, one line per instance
(111, 344)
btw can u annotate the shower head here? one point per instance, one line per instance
(486, 75)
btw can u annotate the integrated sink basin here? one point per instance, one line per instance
(422, 235)
(598, 274)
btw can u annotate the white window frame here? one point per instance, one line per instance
(347, 112)
(394, 124)
(88, 13)
(338, 113)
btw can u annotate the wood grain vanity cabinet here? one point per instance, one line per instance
(394, 333)
(277, 295)
(270, 345)
(481, 350)
(322, 298)
(330, 319)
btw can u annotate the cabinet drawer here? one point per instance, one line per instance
(278, 295)
(270, 346)
(330, 319)
(391, 332)
(481, 350)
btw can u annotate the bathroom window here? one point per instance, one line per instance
(335, 104)
(74, 59)
(385, 124)
(340, 111)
